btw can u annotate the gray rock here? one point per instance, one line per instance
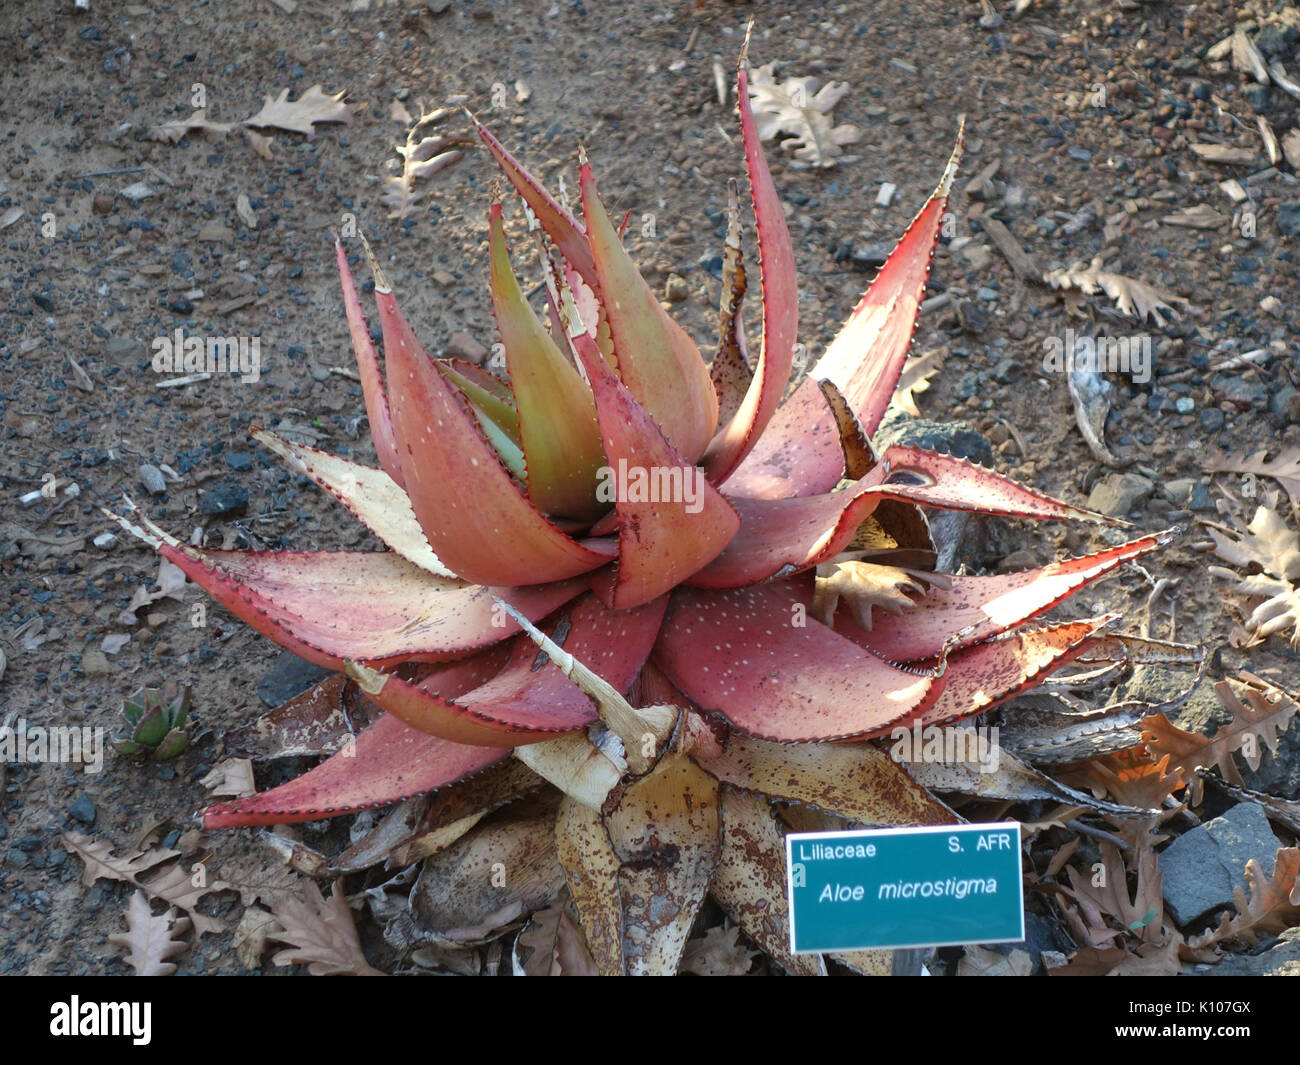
(1281, 959)
(953, 438)
(1117, 494)
(152, 479)
(289, 676)
(1288, 218)
(224, 497)
(82, 810)
(464, 346)
(1200, 868)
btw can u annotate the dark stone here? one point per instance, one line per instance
(289, 676)
(239, 460)
(224, 497)
(1288, 218)
(82, 810)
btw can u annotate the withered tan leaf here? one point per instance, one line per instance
(1266, 542)
(591, 872)
(750, 879)
(1251, 728)
(175, 885)
(718, 952)
(858, 780)
(198, 122)
(1135, 298)
(148, 939)
(303, 114)
(666, 832)
(552, 944)
(981, 961)
(1272, 905)
(800, 109)
(231, 778)
(915, 379)
(1284, 468)
(321, 933)
(863, 585)
(251, 934)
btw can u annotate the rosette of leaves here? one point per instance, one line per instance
(157, 723)
(686, 677)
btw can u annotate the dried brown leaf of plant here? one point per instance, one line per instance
(1129, 777)
(915, 379)
(1105, 911)
(422, 157)
(321, 934)
(1251, 728)
(1271, 907)
(719, 952)
(552, 944)
(174, 885)
(797, 107)
(303, 114)
(148, 938)
(1135, 298)
(1271, 545)
(1284, 468)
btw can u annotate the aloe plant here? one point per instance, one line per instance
(698, 666)
(157, 721)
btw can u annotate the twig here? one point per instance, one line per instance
(108, 173)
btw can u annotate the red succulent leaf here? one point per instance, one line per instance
(774, 672)
(799, 454)
(371, 495)
(371, 606)
(866, 357)
(525, 702)
(556, 419)
(656, 358)
(388, 762)
(993, 603)
(788, 535)
(372, 381)
(780, 304)
(559, 225)
(932, 479)
(661, 541)
(979, 677)
(477, 519)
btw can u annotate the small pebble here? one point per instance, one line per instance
(152, 479)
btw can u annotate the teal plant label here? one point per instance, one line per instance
(905, 887)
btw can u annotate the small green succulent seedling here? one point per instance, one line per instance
(156, 719)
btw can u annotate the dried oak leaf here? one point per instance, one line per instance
(1285, 468)
(231, 778)
(1251, 728)
(798, 108)
(981, 961)
(1126, 777)
(196, 123)
(1106, 913)
(915, 379)
(1272, 906)
(301, 115)
(552, 944)
(321, 934)
(719, 952)
(863, 585)
(422, 157)
(174, 885)
(170, 583)
(251, 935)
(148, 939)
(1135, 298)
(1271, 545)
